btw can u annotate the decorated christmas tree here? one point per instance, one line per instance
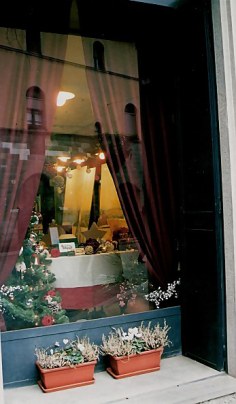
(28, 298)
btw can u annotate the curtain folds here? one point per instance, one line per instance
(18, 193)
(140, 163)
(159, 213)
(22, 147)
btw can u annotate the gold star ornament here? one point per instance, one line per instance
(94, 232)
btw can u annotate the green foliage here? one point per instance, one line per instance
(28, 298)
(136, 340)
(71, 353)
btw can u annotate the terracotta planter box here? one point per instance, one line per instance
(66, 377)
(125, 366)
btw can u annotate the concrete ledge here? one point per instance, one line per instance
(179, 381)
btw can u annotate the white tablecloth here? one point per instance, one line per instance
(89, 270)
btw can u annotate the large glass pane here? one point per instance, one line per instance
(77, 166)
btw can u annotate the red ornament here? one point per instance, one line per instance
(55, 253)
(48, 320)
(51, 293)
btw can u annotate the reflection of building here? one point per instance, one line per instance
(70, 128)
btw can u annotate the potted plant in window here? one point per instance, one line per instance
(136, 351)
(68, 365)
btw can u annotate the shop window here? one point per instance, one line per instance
(98, 56)
(97, 238)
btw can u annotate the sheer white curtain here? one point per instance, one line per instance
(22, 147)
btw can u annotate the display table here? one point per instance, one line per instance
(85, 281)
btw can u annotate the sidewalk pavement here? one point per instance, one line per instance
(179, 381)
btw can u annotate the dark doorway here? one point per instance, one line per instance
(46, 193)
(201, 246)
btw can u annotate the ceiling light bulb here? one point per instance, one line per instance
(63, 96)
(78, 161)
(60, 169)
(63, 159)
(101, 156)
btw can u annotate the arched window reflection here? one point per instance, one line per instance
(98, 56)
(130, 120)
(35, 107)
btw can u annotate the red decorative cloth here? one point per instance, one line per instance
(88, 296)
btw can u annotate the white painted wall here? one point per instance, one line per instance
(224, 27)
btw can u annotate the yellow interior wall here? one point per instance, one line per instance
(109, 201)
(78, 199)
(78, 195)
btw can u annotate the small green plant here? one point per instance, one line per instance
(135, 340)
(71, 353)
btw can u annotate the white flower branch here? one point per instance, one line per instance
(159, 295)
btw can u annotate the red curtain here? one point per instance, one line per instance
(140, 163)
(159, 214)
